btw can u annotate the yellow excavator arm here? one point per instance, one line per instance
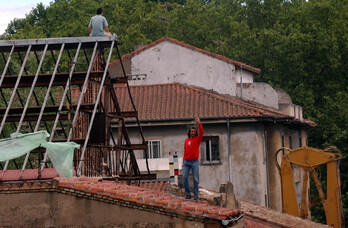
(308, 159)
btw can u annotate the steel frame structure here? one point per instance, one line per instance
(63, 86)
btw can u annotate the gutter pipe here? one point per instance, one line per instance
(229, 150)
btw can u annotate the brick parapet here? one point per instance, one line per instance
(136, 197)
(165, 199)
(27, 187)
(131, 203)
(157, 201)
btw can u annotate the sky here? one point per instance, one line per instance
(10, 10)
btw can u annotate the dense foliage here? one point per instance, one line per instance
(300, 45)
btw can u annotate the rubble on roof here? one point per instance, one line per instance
(258, 214)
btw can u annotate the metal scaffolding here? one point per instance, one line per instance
(62, 85)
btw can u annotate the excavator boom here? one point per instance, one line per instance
(308, 159)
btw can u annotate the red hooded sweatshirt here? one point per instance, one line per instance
(192, 145)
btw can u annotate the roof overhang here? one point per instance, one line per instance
(217, 120)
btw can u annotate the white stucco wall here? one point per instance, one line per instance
(259, 92)
(168, 62)
(284, 97)
(246, 76)
(292, 110)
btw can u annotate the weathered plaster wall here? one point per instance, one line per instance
(248, 156)
(273, 144)
(246, 76)
(59, 210)
(168, 62)
(212, 175)
(261, 93)
(293, 138)
(284, 97)
(248, 163)
(173, 138)
(291, 110)
(304, 137)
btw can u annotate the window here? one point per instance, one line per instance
(210, 149)
(153, 149)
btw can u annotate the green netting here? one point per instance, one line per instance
(61, 154)
(20, 144)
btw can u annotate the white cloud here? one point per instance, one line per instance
(16, 9)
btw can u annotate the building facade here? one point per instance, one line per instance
(244, 123)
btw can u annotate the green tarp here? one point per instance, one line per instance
(61, 154)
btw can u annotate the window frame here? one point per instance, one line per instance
(149, 143)
(204, 160)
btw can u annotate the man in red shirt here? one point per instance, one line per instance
(190, 160)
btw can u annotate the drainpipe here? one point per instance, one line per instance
(267, 200)
(241, 81)
(229, 151)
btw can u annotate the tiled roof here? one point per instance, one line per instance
(178, 101)
(156, 186)
(217, 56)
(142, 198)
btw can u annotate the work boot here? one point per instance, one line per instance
(188, 197)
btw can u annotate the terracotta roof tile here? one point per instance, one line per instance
(178, 101)
(217, 56)
(144, 197)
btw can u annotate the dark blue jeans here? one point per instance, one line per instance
(195, 174)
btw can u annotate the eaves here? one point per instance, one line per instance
(214, 120)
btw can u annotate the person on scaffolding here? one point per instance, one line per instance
(190, 159)
(97, 24)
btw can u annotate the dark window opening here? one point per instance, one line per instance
(210, 151)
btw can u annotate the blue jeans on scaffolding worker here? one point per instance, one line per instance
(195, 174)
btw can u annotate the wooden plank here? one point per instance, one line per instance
(121, 115)
(129, 114)
(132, 147)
